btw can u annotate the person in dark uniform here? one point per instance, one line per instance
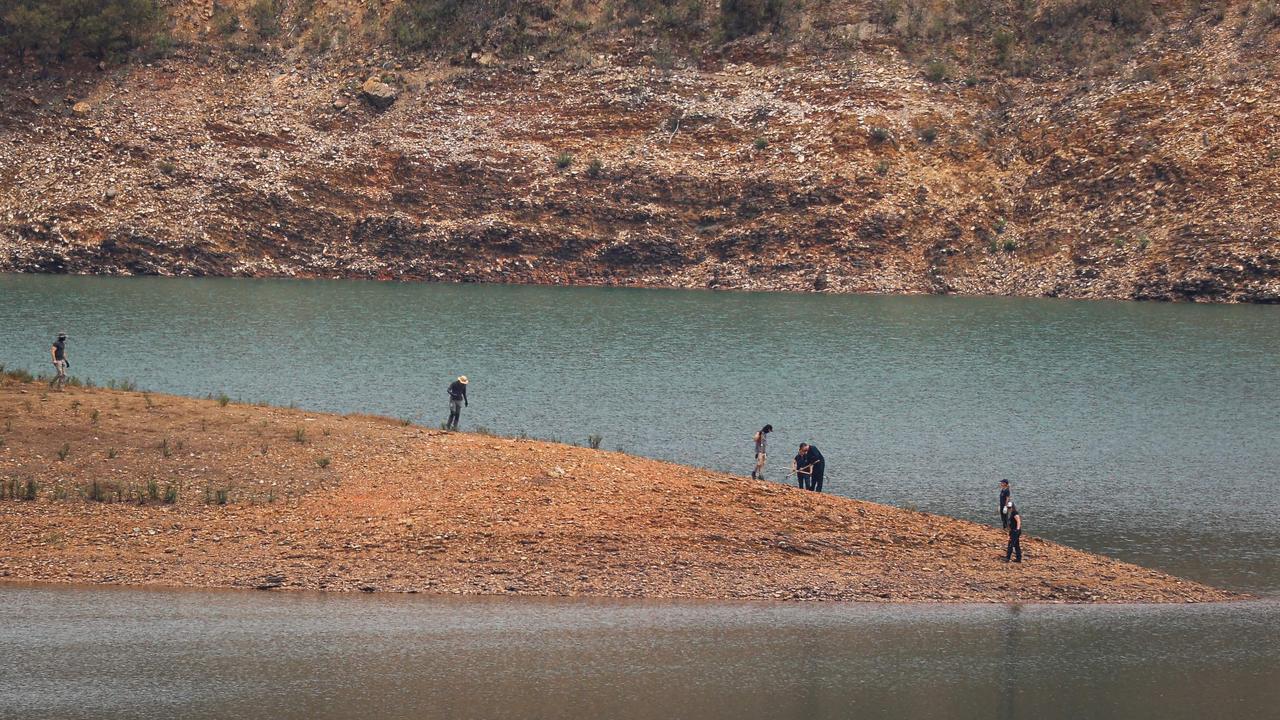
(1015, 534)
(1004, 504)
(457, 400)
(809, 466)
(60, 364)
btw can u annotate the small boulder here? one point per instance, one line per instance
(379, 94)
(340, 104)
(112, 194)
(80, 108)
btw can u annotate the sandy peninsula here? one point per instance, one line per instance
(134, 488)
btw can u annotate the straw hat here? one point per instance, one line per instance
(462, 379)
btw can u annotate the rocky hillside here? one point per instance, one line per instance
(1074, 148)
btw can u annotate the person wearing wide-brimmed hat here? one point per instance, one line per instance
(457, 400)
(59, 353)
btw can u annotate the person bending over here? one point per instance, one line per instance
(809, 467)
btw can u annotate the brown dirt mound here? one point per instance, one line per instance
(398, 507)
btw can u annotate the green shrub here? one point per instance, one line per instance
(935, 71)
(1003, 40)
(593, 441)
(564, 160)
(58, 29)
(761, 143)
(879, 134)
(322, 462)
(265, 15)
(595, 168)
(64, 451)
(928, 134)
(170, 494)
(223, 400)
(225, 22)
(153, 489)
(739, 18)
(441, 24)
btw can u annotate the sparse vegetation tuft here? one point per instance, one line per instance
(935, 71)
(322, 462)
(593, 441)
(265, 15)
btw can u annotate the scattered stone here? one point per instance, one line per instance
(81, 108)
(379, 94)
(340, 104)
(270, 582)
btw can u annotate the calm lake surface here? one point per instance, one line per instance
(113, 653)
(1147, 432)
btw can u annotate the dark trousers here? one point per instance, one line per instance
(455, 411)
(1004, 520)
(1015, 545)
(809, 481)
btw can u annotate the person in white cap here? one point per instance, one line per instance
(60, 364)
(457, 400)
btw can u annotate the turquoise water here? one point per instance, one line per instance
(1146, 431)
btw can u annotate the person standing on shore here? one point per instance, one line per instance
(59, 353)
(762, 455)
(1004, 504)
(808, 465)
(457, 400)
(1015, 534)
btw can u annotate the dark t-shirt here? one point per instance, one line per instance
(60, 350)
(1004, 499)
(1015, 527)
(458, 391)
(809, 458)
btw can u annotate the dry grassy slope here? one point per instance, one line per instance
(403, 508)
(1152, 175)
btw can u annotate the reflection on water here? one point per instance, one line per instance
(110, 653)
